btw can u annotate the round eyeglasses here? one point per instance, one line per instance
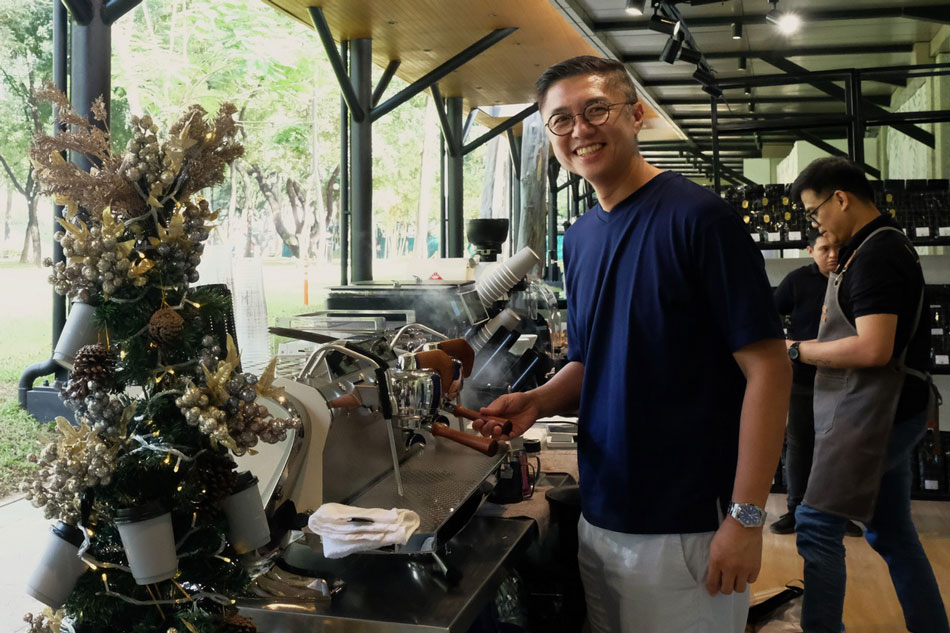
(562, 124)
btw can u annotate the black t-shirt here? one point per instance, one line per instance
(885, 278)
(800, 297)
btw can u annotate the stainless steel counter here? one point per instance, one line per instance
(399, 594)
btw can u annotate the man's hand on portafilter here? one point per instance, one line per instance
(520, 408)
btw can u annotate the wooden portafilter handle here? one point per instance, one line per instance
(492, 420)
(484, 445)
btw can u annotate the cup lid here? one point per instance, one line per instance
(532, 445)
(142, 512)
(69, 533)
(244, 481)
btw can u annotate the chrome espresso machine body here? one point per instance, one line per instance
(375, 433)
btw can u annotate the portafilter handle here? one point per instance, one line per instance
(484, 445)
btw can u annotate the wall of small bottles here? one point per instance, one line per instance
(920, 207)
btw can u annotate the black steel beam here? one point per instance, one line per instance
(823, 145)
(115, 9)
(452, 143)
(753, 81)
(931, 116)
(388, 75)
(431, 77)
(934, 13)
(762, 116)
(869, 104)
(788, 123)
(80, 10)
(326, 38)
(717, 164)
(786, 52)
(732, 175)
(469, 122)
(344, 174)
(60, 69)
(500, 128)
(455, 222)
(361, 163)
(873, 100)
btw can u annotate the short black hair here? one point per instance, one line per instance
(812, 236)
(613, 71)
(825, 175)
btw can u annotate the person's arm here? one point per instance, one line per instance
(873, 346)
(784, 297)
(735, 555)
(560, 395)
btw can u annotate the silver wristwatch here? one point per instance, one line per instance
(747, 514)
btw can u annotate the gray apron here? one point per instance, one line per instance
(854, 414)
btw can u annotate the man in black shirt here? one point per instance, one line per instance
(799, 298)
(871, 398)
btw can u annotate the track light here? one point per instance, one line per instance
(661, 25)
(751, 107)
(635, 7)
(671, 50)
(691, 56)
(713, 91)
(737, 30)
(787, 23)
(748, 91)
(743, 63)
(704, 76)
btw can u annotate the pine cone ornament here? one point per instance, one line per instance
(165, 326)
(217, 476)
(237, 624)
(94, 364)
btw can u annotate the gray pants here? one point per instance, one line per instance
(653, 583)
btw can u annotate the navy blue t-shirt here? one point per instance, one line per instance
(661, 291)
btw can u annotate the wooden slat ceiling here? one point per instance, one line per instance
(423, 34)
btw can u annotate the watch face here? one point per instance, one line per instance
(747, 514)
(793, 352)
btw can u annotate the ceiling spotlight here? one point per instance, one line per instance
(704, 76)
(743, 63)
(691, 56)
(635, 7)
(751, 107)
(713, 91)
(671, 50)
(787, 23)
(737, 30)
(661, 25)
(748, 91)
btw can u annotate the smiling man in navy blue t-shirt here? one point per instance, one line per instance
(677, 369)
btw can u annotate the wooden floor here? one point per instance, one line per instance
(870, 604)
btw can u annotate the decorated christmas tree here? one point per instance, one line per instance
(151, 515)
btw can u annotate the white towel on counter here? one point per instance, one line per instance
(348, 529)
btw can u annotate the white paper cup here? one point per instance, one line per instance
(494, 286)
(247, 523)
(149, 541)
(60, 567)
(507, 319)
(80, 330)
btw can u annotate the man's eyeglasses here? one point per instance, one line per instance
(812, 214)
(595, 114)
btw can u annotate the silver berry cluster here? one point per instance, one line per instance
(196, 406)
(42, 623)
(209, 354)
(102, 266)
(102, 410)
(64, 472)
(146, 155)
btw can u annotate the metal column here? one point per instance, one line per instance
(717, 168)
(345, 120)
(60, 68)
(361, 160)
(91, 69)
(852, 90)
(553, 169)
(456, 225)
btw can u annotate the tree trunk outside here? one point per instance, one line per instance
(8, 211)
(31, 241)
